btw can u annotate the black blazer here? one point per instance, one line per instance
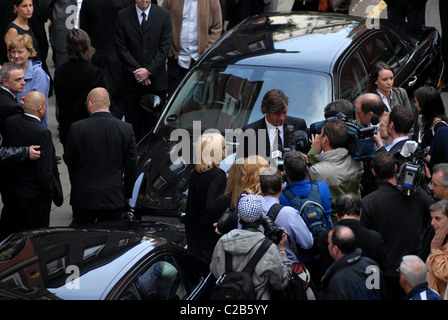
(101, 156)
(97, 18)
(73, 81)
(297, 123)
(37, 178)
(8, 107)
(147, 48)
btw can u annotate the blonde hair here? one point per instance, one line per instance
(234, 183)
(209, 151)
(253, 166)
(22, 41)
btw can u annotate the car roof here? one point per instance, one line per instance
(305, 41)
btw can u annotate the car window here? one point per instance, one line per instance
(354, 78)
(399, 50)
(164, 279)
(377, 48)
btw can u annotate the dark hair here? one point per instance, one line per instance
(274, 101)
(373, 75)
(384, 165)
(403, 119)
(271, 182)
(337, 133)
(348, 204)
(343, 106)
(431, 105)
(79, 47)
(296, 166)
(345, 242)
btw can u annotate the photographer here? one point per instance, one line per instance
(273, 269)
(400, 219)
(335, 166)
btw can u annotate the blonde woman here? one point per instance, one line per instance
(21, 51)
(207, 182)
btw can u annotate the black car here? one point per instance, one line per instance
(315, 58)
(119, 261)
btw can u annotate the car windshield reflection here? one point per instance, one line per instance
(229, 97)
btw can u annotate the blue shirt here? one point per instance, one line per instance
(298, 233)
(422, 292)
(303, 188)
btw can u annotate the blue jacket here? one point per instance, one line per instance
(303, 188)
(422, 292)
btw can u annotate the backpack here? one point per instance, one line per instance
(310, 209)
(238, 285)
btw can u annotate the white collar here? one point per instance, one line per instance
(140, 11)
(32, 116)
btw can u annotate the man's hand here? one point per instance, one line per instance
(34, 152)
(141, 75)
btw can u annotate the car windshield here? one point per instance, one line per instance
(230, 97)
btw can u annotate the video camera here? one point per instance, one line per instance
(361, 144)
(412, 169)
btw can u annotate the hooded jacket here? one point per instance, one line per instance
(274, 268)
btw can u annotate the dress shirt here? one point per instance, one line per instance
(395, 142)
(189, 34)
(33, 116)
(272, 132)
(139, 13)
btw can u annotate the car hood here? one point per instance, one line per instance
(68, 263)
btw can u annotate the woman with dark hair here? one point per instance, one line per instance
(74, 79)
(20, 25)
(381, 82)
(430, 106)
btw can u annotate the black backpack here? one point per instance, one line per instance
(310, 209)
(238, 285)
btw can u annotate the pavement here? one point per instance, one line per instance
(62, 216)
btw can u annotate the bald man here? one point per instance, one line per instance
(35, 183)
(101, 156)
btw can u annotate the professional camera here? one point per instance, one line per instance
(361, 143)
(272, 230)
(411, 170)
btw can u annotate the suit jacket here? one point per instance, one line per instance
(73, 81)
(147, 48)
(37, 178)
(297, 123)
(97, 18)
(8, 107)
(101, 157)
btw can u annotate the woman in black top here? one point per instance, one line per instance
(430, 106)
(20, 25)
(207, 182)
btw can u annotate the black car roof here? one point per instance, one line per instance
(304, 41)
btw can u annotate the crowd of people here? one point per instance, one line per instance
(375, 230)
(379, 242)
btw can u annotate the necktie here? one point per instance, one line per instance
(279, 141)
(142, 25)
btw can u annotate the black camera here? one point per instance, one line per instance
(361, 144)
(272, 230)
(412, 169)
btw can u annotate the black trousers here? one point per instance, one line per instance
(414, 11)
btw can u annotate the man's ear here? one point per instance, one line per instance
(373, 172)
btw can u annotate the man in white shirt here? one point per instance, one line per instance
(197, 25)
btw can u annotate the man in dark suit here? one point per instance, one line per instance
(12, 82)
(272, 129)
(143, 39)
(401, 120)
(101, 157)
(35, 183)
(97, 18)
